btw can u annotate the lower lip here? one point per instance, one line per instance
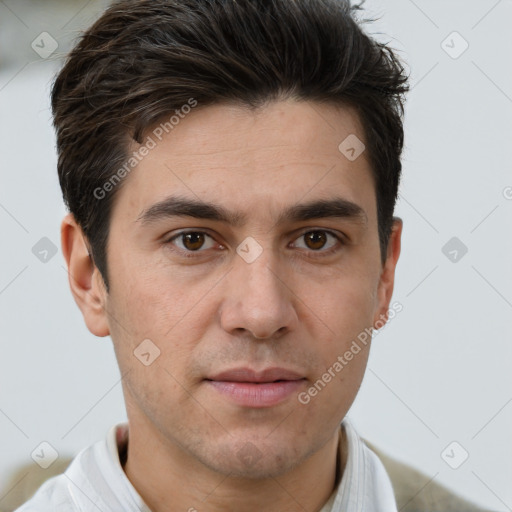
(251, 394)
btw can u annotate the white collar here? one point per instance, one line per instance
(365, 485)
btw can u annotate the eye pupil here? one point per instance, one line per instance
(315, 239)
(193, 241)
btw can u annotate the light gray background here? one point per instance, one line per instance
(439, 372)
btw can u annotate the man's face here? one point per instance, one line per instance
(247, 315)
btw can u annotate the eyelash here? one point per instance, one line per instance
(311, 253)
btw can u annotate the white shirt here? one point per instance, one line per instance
(96, 482)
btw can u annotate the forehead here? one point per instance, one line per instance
(253, 160)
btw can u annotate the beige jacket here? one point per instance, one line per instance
(414, 491)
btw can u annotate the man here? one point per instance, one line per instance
(231, 169)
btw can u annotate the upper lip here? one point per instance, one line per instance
(249, 375)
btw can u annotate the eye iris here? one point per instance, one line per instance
(315, 239)
(193, 241)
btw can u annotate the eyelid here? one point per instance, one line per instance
(339, 237)
(169, 239)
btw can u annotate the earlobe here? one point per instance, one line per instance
(387, 277)
(85, 281)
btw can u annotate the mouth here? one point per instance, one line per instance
(249, 388)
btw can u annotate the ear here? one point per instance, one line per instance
(85, 280)
(387, 277)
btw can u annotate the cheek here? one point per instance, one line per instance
(331, 393)
(154, 335)
(340, 319)
(343, 306)
(174, 314)
(154, 297)
(343, 356)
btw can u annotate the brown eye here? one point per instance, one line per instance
(315, 239)
(319, 240)
(193, 241)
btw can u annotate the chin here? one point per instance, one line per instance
(262, 469)
(252, 460)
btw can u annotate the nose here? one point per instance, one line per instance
(258, 300)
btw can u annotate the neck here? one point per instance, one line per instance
(169, 480)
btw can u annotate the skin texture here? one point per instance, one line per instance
(296, 306)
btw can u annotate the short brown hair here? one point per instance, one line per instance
(143, 59)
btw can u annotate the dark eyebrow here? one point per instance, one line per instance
(324, 208)
(176, 206)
